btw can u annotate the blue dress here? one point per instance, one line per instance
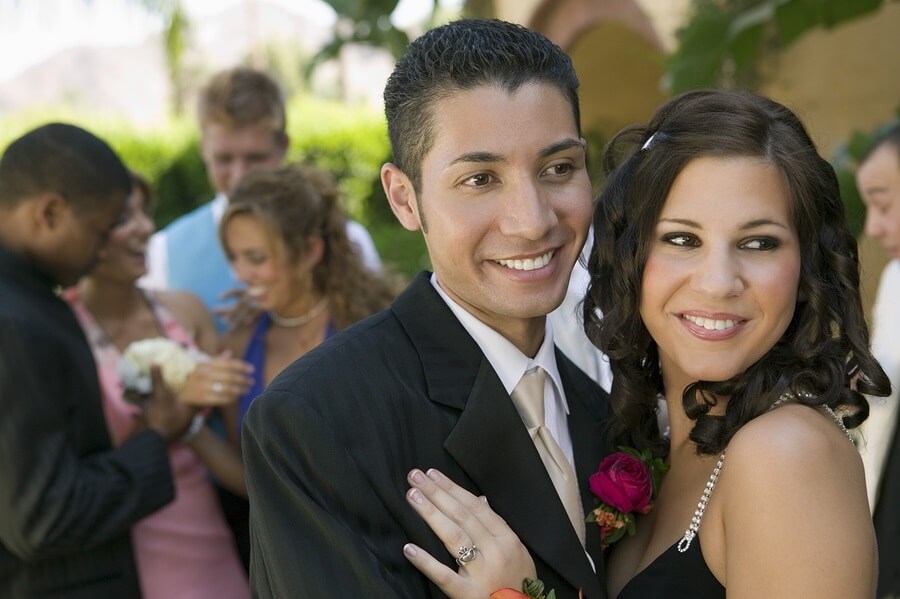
(236, 508)
(256, 354)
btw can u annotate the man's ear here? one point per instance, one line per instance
(401, 196)
(284, 142)
(49, 209)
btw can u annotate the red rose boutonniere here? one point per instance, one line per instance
(626, 483)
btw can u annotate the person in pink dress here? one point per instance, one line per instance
(184, 550)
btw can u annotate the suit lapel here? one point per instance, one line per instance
(588, 407)
(489, 441)
(450, 357)
(493, 447)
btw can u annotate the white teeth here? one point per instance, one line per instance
(255, 291)
(528, 263)
(709, 324)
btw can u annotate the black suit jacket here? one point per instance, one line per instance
(887, 524)
(67, 499)
(327, 448)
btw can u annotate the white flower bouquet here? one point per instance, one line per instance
(175, 361)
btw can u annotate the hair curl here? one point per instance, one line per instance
(297, 202)
(825, 349)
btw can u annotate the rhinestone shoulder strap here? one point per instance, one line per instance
(694, 527)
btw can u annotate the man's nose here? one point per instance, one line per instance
(528, 212)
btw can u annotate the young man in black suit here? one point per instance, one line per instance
(489, 164)
(67, 497)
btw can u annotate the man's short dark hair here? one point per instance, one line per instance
(65, 159)
(888, 137)
(460, 56)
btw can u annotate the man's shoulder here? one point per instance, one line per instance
(373, 362)
(373, 342)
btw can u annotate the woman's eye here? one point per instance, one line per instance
(762, 243)
(681, 239)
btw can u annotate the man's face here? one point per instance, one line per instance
(878, 181)
(507, 201)
(76, 238)
(231, 152)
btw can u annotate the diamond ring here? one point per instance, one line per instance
(217, 387)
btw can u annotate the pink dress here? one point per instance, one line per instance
(185, 550)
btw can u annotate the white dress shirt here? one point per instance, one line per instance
(510, 364)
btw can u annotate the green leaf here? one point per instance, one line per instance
(836, 12)
(630, 451)
(796, 17)
(614, 535)
(533, 587)
(745, 45)
(698, 58)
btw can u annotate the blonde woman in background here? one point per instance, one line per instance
(285, 235)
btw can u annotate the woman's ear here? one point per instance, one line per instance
(315, 249)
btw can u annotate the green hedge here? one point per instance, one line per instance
(351, 143)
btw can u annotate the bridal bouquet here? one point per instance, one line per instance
(175, 361)
(626, 483)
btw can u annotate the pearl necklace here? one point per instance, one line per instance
(298, 321)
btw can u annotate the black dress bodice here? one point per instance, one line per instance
(675, 575)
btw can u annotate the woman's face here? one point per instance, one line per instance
(269, 275)
(720, 284)
(124, 256)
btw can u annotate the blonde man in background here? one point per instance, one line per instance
(242, 130)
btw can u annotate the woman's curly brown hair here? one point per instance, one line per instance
(297, 202)
(826, 345)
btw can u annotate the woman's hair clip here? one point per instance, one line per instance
(648, 142)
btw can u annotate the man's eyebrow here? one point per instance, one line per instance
(559, 146)
(477, 157)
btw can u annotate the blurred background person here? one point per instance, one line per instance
(242, 122)
(185, 550)
(878, 181)
(68, 497)
(285, 236)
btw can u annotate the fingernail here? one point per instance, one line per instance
(417, 477)
(409, 550)
(415, 495)
(434, 474)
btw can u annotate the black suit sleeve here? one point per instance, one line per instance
(54, 500)
(318, 526)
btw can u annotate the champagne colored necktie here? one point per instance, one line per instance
(528, 397)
